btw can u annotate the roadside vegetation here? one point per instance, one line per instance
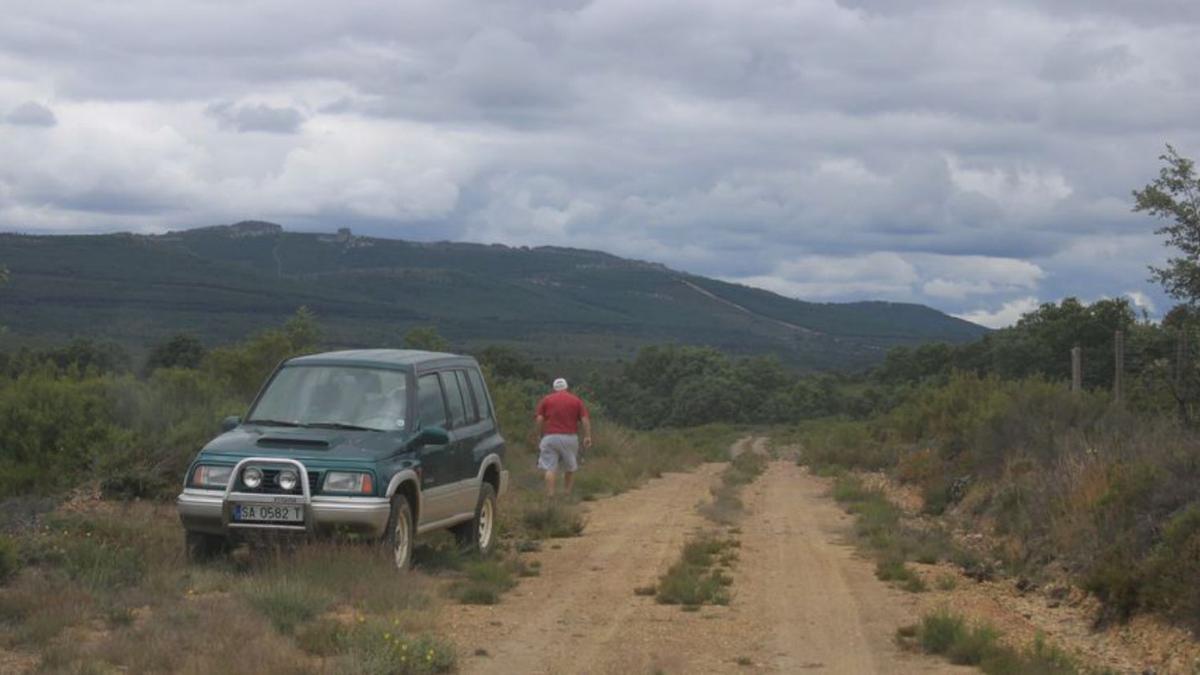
(703, 573)
(880, 529)
(980, 645)
(92, 574)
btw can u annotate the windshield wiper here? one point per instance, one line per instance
(339, 425)
(272, 423)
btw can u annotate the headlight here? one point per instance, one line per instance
(252, 477)
(287, 479)
(206, 476)
(345, 481)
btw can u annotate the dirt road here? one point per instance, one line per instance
(802, 600)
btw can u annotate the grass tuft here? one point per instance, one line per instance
(695, 579)
(287, 602)
(949, 635)
(485, 581)
(553, 520)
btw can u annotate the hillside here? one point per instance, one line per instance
(223, 282)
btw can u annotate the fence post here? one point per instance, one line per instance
(1076, 369)
(1180, 358)
(1119, 366)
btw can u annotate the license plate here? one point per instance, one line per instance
(268, 513)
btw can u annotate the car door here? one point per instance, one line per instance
(464, 495)
(438, 475)
(477, 419)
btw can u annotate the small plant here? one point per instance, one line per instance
(979, 645)
(324, 637)
(892, 569)
(10, 561)
(553, 520)
(486, 580)
(286, 602)
(695, 580)
(946, 582)
(379, 648)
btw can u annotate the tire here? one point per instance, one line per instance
(201, 547)
(400, 533)
(479, 534)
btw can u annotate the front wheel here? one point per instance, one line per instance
(399, 537)
(479, 533)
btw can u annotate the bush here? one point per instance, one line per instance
(695, 579)
(10, 560)
(554, 520)
(485, 582)
(286, 602)
(979, 645)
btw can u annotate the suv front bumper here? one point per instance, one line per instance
(204, 511)
(210, 511)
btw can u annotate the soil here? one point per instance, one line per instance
(803, 601)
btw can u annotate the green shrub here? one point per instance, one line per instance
(695, 580)
(287, 602)
(553, 519)
(947, 634)
(101, 565)
(381, 649)
(485, 582)
(940, 631)
(10, 560)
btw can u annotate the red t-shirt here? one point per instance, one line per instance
(562, 411)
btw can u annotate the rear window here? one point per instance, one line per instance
(454, 398)
(480, 394)
(472, 408)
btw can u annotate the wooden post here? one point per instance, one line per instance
(1119, 365)
(1076, 370)
(1181, 352)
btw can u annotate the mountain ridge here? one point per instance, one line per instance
(224, 281)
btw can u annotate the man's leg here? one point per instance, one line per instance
(550, 483)
(568, 482)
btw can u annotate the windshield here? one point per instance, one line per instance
(334, 396)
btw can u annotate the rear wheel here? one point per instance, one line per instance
(399, 537)
(479, 533)
(200, 546)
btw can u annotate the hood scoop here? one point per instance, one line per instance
(276, 442)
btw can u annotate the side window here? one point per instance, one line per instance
(454, 398)
(433, 409)
(472, 409)
(481, 400)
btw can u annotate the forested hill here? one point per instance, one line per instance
(221, 283)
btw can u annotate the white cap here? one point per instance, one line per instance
(560, 384)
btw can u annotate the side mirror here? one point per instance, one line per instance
(433, 436)
(230, 423)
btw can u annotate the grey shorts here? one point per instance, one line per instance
(559, 447)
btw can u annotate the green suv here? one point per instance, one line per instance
(385, 443)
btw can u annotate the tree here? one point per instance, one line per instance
(302, 330)
(1175, 196)
(508, 363)
(181, 351)
(426, 338)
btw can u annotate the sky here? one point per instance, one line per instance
(975, 156)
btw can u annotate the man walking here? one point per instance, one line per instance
(559, 416)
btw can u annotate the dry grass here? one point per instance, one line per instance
(106, 588)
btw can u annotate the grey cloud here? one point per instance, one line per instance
(260, 117)
(724, 138)
(31, 114)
